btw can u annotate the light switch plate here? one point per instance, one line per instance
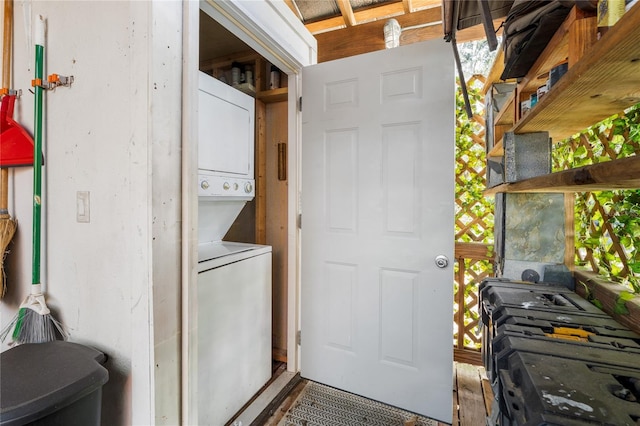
(83, 207)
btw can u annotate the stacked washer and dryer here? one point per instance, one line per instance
(234, 279)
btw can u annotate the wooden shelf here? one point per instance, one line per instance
(605, 81)
(246, 57)
(616, 174)
(556, 51)
(507, 113)
(497, 68)
(497, 150)
(221, 66)
(274, 95)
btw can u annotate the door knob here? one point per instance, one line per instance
(442, 261)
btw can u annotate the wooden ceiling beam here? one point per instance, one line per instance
(326, 25)
(477, 32)
(360, 17)
(389, 10)
(369, 37)
(416, 35)
(347, 12)
(424, 4)
(381, 12)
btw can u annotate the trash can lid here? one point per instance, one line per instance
(41, 378)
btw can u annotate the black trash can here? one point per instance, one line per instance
(54, 383)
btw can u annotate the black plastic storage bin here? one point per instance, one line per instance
(496, 293)
(54, 383)
(546, 342)
(500, 294)
(577, 328)
(592, 321)
(546, 390)
(507, 346)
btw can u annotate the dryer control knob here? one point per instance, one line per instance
(226, 186)
(204, 184)
(248, 187)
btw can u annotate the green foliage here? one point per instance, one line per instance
(590, 148)
(620, 307)
(470, 171)
(470, 205)
(607, 223)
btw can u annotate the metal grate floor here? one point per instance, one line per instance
(320, 405)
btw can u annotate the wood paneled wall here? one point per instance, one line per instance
(276, 221)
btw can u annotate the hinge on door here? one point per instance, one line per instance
(300, 221)
(300, 104)
(299, 337)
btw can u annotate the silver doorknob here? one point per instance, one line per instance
(442, 261)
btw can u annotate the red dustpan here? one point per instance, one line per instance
(16, 145)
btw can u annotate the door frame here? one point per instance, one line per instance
(271, 29)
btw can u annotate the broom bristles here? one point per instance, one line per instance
(37, 328)
(31, 327)
(7, 230)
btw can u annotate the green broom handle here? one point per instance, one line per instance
(37, 159)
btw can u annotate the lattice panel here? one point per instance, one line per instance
(604, 243)
(593, 147)
(471, 272)
(473, 216)
(607, 223)
(474, 213)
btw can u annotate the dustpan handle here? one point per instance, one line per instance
(37, 150)
(4, 195)
(7, 45)
(10, 104)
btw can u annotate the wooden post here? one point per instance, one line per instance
(260, 173)
(582, 35)
(461, 304)
(569, 230)
(258, 74)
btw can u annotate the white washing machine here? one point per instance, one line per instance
(233, 327)
(233, 321)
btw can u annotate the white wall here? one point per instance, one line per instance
(166, 114)
(116, 134)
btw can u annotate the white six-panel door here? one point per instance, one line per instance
(377, 208)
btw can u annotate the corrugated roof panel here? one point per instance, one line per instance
(314, 10)
(363, 4)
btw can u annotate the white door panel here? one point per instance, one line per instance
(377, 166)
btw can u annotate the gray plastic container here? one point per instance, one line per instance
(54, 383)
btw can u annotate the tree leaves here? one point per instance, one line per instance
(607, 223)
(470, 172)
(620, 307)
